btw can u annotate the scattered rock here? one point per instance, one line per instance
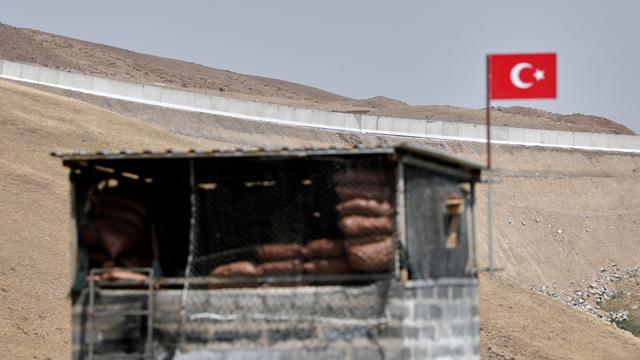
(595, 292)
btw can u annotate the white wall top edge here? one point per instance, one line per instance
(288, 115)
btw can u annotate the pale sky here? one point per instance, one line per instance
(421, 52)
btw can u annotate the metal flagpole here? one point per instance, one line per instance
(489, 180)
(488, 112)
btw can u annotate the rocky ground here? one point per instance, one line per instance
(588, 295)
(612, 296)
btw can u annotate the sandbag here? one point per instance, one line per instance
(286, 267)
(275, 252)
(355, 226)
(371, 257)
(238, 268)
(364, 207)
(375, 192)
(118, 229)
(116, 236)
(360, 176)
(322, 249)
(349, 242)
(326, 266)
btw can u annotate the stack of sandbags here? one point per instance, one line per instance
(366, 219)
(320, 256)
(117, 233)
(279, 259)
(324, 257)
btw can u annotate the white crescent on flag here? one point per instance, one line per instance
(515, 75)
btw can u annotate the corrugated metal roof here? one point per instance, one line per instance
(411, 149)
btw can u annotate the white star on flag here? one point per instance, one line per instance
(538, 74)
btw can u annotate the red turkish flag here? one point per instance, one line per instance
(522, 76)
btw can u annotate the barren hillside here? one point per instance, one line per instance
(32, 46)
(35, 261)
(35, 257)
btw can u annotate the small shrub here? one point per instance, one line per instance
(630, 325)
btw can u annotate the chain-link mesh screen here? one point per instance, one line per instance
(268, 231)
(436, 226)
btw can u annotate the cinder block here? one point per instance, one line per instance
(457, 292)
(442, 292)
(29, 72)
(426, 311)
(447, 351)
(290, 333)
(399, 309)
(344, 333)
(427, 332)
(365, 353)
(419, 353)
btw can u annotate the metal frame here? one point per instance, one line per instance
(462, 176)
(149, 313)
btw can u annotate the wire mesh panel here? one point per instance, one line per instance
(436, 227)
(283, 238)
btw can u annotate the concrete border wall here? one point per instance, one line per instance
(288, 115)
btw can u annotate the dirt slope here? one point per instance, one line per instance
(592, 198)
(519, 324)
(35, 258)
(31, 46)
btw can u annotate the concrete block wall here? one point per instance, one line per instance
(260, 111)
(433, 319)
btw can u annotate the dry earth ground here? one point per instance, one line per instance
(35, 258)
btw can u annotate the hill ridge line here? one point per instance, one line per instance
(297, 116)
